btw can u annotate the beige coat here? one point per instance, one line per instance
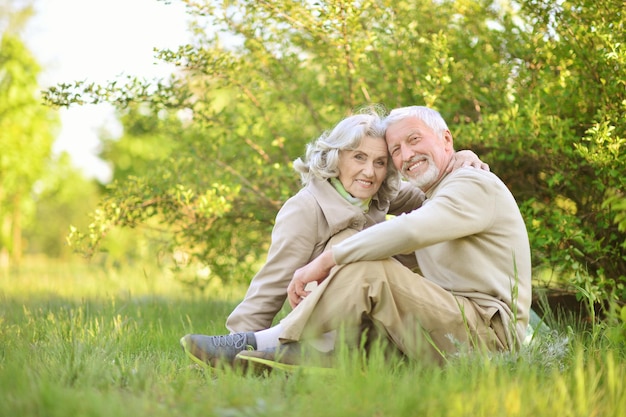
(303, 227)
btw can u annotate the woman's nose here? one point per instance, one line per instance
(368, 169)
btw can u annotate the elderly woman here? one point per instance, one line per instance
(349, 185)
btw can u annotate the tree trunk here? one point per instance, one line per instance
(5, 229)
(16, 232)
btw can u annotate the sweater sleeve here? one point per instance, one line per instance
(293, 245)
(463, 205)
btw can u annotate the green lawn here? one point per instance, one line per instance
(79, 341)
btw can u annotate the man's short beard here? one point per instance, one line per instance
(426, 179)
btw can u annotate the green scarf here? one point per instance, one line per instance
(362, 204)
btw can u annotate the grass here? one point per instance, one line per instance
(80, 341)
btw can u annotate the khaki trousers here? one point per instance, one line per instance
(421, 319)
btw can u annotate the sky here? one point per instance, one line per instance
(99, 41)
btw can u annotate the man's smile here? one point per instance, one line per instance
(415, 164)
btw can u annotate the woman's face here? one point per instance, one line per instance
(362, 171)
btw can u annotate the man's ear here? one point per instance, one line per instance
(449, 143)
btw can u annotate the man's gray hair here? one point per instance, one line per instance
(430, 117)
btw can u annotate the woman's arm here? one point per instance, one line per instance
(294, 243)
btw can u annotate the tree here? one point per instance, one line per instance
(290, 71)
(559, 143)
(26, 134)
(272, 75)
(60, 197)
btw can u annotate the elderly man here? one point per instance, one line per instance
(474, 286)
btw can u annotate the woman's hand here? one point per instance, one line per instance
(466, 158)
(315, 271)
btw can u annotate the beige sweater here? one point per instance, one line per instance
(303, 227)
(469, 237)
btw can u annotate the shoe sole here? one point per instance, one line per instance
(274, 365)
(196, 360)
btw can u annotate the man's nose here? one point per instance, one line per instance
(406, 152)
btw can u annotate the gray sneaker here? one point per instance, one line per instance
(216, 350)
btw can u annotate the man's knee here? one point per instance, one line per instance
(361, 272)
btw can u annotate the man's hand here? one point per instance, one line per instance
(317, 270)
(466, 158)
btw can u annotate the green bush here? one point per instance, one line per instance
(536, 88)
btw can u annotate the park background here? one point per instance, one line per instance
(202, 163)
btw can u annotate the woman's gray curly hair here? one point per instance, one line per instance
(322, 155)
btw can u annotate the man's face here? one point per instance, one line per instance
(418, 152)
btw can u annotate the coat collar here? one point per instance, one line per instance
(339, 213)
